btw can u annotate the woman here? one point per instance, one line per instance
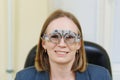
(61, 54)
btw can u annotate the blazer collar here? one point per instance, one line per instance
(44, 75)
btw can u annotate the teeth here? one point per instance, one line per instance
(61, 52)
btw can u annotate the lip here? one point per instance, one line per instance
(61, 53)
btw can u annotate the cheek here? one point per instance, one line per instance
(50, 46)
(74, 47)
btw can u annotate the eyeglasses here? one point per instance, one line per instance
(56, 36)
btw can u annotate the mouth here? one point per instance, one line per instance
(61, 53)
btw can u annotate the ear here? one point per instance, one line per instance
(43, 44)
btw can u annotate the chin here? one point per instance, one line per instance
(63, 61)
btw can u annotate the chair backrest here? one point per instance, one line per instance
(94, 52)
(30, 57)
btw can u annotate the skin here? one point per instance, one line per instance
(62, 55)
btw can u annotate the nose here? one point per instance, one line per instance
(62, 42)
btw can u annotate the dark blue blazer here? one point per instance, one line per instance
(93, 72)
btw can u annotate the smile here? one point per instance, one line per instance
(61, 53)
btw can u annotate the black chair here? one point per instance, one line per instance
(30, 57)
(94, 52)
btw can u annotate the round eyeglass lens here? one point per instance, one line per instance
(55, 38)
(69, 39)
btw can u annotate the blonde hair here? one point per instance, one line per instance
(42, 59)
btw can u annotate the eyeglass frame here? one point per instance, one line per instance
(62, 34)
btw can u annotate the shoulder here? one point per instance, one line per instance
(30, 73)
(26, 73)
(30, 70)
(94, 67)
(95, 71)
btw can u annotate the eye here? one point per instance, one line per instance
(55, 38)
(69, 38)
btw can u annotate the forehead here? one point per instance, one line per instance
(62, 23)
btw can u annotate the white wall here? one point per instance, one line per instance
(26, 19)
(115, 49)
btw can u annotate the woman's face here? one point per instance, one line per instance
(61, 53)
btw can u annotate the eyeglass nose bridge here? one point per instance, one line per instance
(62, 40)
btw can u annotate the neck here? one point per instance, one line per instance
(61, 72)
